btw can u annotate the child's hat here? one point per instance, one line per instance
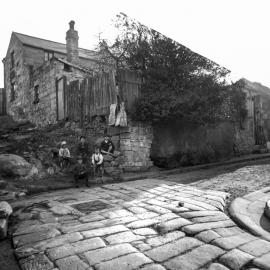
(63, 142)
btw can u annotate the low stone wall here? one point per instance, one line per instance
(183, 144)
(133, 142)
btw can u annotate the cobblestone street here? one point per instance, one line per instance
(238, 179)
(147, 224)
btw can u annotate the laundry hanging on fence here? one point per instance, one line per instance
(112, 116)
(121, 118)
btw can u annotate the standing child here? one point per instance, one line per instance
(64, 155)
(80, 172)
(97, 162)
(83, 149)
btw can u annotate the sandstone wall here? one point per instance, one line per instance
(18, 76)
(135, 144)
(179, 144)
(43, 112)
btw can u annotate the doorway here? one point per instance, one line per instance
(60, 99)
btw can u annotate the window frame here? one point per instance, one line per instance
(12, 59)
(12, 92)
(48, 55)
(36, 94)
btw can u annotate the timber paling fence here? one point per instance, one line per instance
(94, 95)
(2, 101)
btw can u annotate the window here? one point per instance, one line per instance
(36, 95)
(12, 60)
(31, 75)
(67, 68)
(12, 92)
(48, 55)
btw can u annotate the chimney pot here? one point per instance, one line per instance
(71, 25)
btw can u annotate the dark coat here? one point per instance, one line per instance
(83, 149)
(79, 169)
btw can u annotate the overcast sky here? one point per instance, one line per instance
(233, 33)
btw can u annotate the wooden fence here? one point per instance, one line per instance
(94, 95)
(2, 101)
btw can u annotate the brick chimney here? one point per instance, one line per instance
(72, 38)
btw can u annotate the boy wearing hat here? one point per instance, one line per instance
(64, 155)
(80, 172)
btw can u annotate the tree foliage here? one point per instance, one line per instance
(177, 83)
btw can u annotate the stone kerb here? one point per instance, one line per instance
(247, 212)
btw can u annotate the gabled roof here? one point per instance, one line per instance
(52, 46)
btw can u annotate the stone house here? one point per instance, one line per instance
(37, 73)
(255, 129)
(31, 68)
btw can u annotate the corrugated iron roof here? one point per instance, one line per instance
(53, 46)
(87, 70)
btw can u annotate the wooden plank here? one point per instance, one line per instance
(66, 99)
(88, 97)
(71, 101)
(81, 104)
(101, 91)
(94, 95)
(85, 100)
(4, 101)
(78, 100)
(91, 100)
(75, 98)
(1, 102)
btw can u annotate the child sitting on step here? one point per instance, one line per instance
(97, 162)
(64, 155)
